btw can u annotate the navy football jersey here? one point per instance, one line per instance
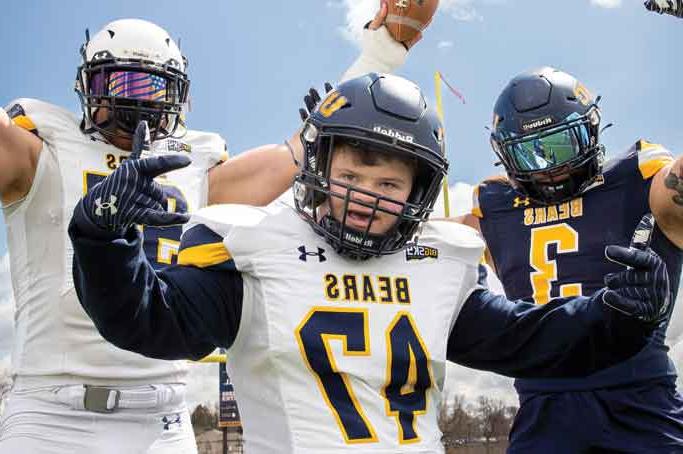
(541, 252)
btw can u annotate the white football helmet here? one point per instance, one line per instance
(133, 71)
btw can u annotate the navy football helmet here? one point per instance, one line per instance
(545, 131)
(382, 113)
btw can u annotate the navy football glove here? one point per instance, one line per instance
(130, 195)
(643, 289)
(311, 100)
(672, 7)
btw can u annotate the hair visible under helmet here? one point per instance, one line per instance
(382, 113)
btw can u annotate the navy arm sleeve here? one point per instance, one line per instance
(180, 312)
(567, 337)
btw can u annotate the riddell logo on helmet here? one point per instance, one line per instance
(405, 137)
(537, 123)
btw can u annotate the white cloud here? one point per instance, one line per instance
(360, 12)
(606, 3)
(444, 44)
(462, 10)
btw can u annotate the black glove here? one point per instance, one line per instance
(130, 195)
(311, 100)
(642, 290)
(672, 7)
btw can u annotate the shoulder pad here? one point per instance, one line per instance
(496, 180)
(41, 118)
(455, 240)
(651, 158)
(500, 179)
(207, 146)
(202, 247)
(222, 219)
(18, 116)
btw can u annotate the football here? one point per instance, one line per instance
(406, 18)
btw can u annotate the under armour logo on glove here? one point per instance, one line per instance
(672, 7)
(130, 195)
(106, 205)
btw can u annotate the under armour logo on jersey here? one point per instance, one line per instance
(305, 254)
(100, 207)
(168, 421)
(519, 201)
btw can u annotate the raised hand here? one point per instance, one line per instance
(643, 289)
(130, 195)
(672, 7)
(311, 100)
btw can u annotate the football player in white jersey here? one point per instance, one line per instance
(340, 314)
(66, 375)
(73, 392)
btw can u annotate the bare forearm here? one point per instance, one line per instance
(256, 177)
(666, 201)
(673, 181)
(19, 151)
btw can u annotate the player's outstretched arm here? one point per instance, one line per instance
(184, 312)
(19, 150)
(565, 337)
(666, 201)
(180, 312)
(258, 176)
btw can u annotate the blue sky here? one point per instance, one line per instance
(250, 62)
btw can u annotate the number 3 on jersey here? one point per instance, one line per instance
(408, 373)
(567, 240)
(161, 243)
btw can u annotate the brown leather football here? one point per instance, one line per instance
(406, 18)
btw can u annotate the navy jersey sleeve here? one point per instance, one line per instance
(564, 338)
(183, 311)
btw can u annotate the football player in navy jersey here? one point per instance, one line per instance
(546, 226)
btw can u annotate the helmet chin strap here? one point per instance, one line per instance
(352, 236)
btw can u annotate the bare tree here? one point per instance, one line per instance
(493, 418)
(203, 418)
(457, 424)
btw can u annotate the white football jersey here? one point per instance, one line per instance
(338, 355)
(55, 341)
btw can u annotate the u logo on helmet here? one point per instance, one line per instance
(331, 104)
(582, 94)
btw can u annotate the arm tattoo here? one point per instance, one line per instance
(675, 183)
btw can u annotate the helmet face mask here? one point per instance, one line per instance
(328, 204)
(545, 133)
(132, 71)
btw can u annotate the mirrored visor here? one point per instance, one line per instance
(549, 150)
(129, 84)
